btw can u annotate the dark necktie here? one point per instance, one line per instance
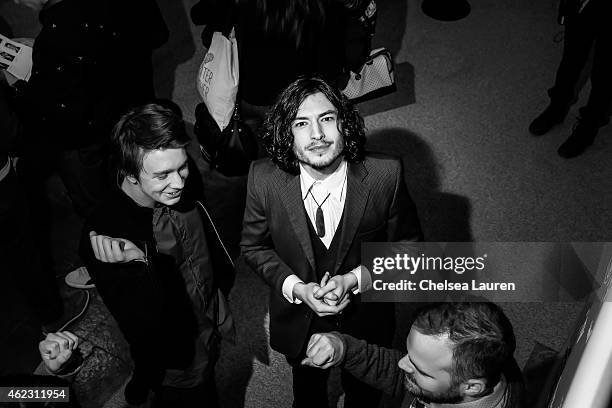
(319, 220)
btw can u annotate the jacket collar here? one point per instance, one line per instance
(356, 200)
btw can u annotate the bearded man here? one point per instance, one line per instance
(458, 355)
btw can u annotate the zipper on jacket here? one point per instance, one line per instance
(217, 234)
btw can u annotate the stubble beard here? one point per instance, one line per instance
(451, 396)
(303, 158)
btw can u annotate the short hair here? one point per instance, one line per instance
(277, 137)
(482, 337)
(141, 130)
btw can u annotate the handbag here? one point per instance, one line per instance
(229, 151)
(375, 79)
(218, 76)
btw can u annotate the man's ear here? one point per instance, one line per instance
(131, 179)
(473, 387)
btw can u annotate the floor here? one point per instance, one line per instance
(467, 91)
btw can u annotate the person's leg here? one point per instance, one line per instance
(578, 41)
(577, 44)
(309, 385)
(597, 110)
(374, 323)
(202, 396)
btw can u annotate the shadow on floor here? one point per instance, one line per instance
(404, 80)
(445, 217)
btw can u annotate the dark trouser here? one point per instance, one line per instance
(83, 172)
(202, 396)
(19, 252)
(589, 29)
(310, 384)
(310, 389)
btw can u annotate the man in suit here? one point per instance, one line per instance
(309, 207)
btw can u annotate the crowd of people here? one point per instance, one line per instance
(151, 248)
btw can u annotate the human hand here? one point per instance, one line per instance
(114, 250)
(336, 289)
(56, 349)
(305, 293)
(324, 350)
(330, 297)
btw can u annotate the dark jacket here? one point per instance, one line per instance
(91, 61)
(155, 297)
(276, 242)
(378, 367)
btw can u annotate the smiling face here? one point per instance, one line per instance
(317, 141)
(162, 177)
(427, 368)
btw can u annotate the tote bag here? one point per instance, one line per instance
(217, 79)
(375, 79)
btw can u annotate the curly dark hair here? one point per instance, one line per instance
(277, 136)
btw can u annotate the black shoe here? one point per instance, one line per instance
(582, 137)
(552, 116)
(75, 306)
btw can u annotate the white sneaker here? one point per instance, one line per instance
(79, 278)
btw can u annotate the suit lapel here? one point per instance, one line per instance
(291, 197)
(356, 199)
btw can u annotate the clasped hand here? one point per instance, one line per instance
(336, 289)
(329, 297)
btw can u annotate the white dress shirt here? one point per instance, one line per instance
(331, 194)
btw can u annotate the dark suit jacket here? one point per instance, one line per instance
(276, 242)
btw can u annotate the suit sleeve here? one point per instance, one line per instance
(403, 223)
(256, 244)
(374, 365)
